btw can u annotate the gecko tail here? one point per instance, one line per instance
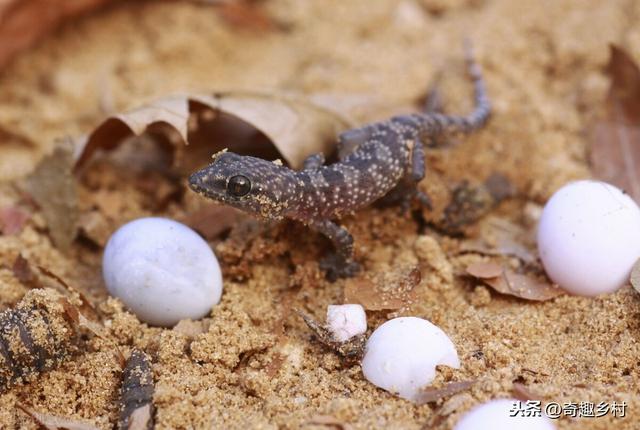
(434, 123)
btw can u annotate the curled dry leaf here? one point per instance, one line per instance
(430, 394)
(615, 140)
(53, 187)
(55, 422)
(635, 276)
(484, 270)
(499, 236)
(506, 281)
(295, 126)
(384, 291)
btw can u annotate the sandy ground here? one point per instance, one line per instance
(255, 364)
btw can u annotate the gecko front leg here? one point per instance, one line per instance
(417, 174)
(339, 264)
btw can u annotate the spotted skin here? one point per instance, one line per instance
(383, 159)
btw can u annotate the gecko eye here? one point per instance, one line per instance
(238, 186)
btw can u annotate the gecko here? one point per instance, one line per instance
(380, 159)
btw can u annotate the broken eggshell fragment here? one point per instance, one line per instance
(346, 321)
(402, 354)
(162, 270)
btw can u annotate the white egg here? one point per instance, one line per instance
(589, 237)
(346, 321)
(497, 415)
(162, 270)
(402, 354)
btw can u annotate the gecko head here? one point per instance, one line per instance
(253, 185)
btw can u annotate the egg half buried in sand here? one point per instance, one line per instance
(162, 271)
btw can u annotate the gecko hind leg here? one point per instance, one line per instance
(341, 263)
(408, 188)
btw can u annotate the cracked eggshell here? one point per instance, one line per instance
(496, 415)
(162, 270)
(402, 354)
(589, 237)
(346, 321)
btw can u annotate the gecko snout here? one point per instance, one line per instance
(198, 182)
(194, 181)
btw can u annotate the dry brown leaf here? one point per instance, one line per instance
(625, 83)
(635, 276)
(429, 394)
(525, 286)
(615, 146)
(297, 127)
(54, 422)
(383, 291)
(53, 187)
(484, 270)
(12, 220)
(501, 237)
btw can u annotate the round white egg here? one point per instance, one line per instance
(346, 321)
(402, 354)
(589, 237)
(162, 270)
(497, 415)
